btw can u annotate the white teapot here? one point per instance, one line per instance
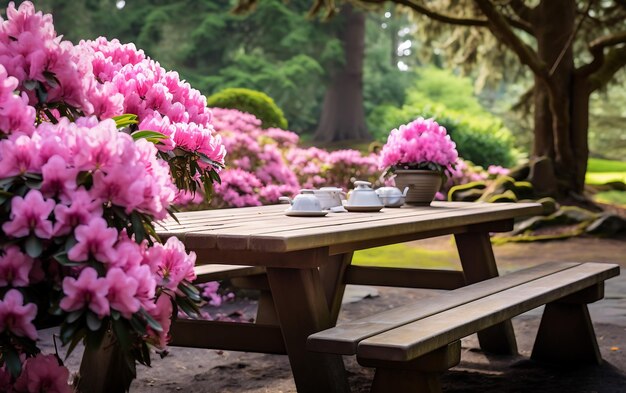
(392, 196)
(363, 198)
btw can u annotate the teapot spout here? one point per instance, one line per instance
(406, 190)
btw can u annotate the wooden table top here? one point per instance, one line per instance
(268, 229)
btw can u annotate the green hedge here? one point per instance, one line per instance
(251, 101)
(482, 140)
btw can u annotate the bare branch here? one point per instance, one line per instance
(502, 30)
(434, 15)
(613, 62)
(596, 47)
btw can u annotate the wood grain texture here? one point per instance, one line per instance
(266, 229)
(405, 278)
(479, 264)
(214, 272)
(343, 339)
(234, 336)
(417, 338)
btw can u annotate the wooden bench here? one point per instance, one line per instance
(412, 345)
(214, 272)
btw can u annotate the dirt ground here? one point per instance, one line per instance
(210, 371)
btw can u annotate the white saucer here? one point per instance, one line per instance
(363, 208)
(306, 213)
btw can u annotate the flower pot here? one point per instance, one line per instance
(423, 185)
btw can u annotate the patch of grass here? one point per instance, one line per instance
(403, 255)
(604, 177)
(613, 197)
(601, 165)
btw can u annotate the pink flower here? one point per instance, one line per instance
(418, 142)
(15, 267)
(162, 313)
(43, 374)
(86, 291)
(176, 265)
(17, 317)
(30, 214)
(18, 155)
(82, 208)
(122, 291)
(58, 177)
(95, 239)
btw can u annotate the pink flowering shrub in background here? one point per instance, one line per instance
(264, 164)
(96, 142)
(420, 144)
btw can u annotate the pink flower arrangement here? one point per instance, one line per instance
(420, 144)
(96, 142)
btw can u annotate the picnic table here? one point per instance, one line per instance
(307, 262)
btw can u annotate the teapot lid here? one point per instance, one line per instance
(362, 185)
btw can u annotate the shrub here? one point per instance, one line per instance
(250, 101)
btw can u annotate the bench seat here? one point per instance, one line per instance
(424, 337)
(213, 272)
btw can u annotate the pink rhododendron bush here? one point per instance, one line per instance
(267, 163)
(96, 142)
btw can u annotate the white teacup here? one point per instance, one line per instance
(330, 196)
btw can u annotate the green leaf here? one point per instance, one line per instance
(12, 361)
(148, 135)
(30, 84)
(138, 325)
(74, 316)
(125, 120)
(189, 290)
(93, 322)
(121, 330)
(151, 321)
(33, 246)
(138, 228)
(75, 339)
(64, 260)
(84, 178)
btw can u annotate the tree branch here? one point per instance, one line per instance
(502, 30)
(596, 47)
(434, 15)
(451, 20)
(521, 10)
(613, 62)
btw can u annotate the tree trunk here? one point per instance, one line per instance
(558, 106)
(343, 116)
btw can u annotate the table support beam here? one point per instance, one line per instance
(479, 264)
(302, 310)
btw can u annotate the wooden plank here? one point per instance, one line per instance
(417, 338)
(233, 336)
(214, 272)
(295, 259)
(406, 278)
(331, 235)
(343, 339)
(279, 233)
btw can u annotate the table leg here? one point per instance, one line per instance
(302, 309)
(479, 264)
(333, 278)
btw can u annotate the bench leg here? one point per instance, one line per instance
(566, 335)
(421, 375)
